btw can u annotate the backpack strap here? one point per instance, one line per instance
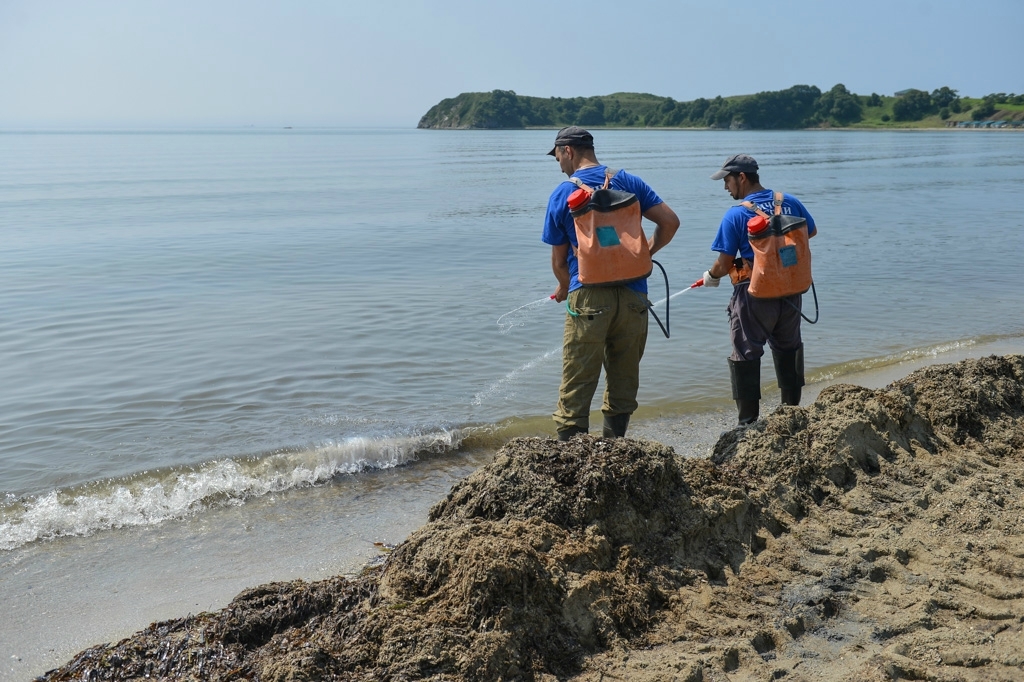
(579, 183)
(609, 173)
(776, 201)
(751, 206)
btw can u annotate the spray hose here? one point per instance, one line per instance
(666, 327)
(650, 306)
(817, 313)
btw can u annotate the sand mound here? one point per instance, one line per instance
(874, 535)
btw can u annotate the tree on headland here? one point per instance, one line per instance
(791, 108)
(718, 114)
(501, 110)
(944, 96)
(985, 109)
(591, 113)
(838, 106)
(913, 105)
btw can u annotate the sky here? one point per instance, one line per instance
(192, 63)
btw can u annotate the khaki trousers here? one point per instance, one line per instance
(609, 330)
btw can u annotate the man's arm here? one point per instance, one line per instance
(720, 268)
(666, 222)
(560, 266)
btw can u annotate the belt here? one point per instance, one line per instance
(740, 271)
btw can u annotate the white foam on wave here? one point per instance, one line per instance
(152, 498)
(893, 359)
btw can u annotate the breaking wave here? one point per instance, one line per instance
(153, 497)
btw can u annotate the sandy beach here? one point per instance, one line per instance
(872, 535)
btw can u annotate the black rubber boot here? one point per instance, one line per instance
(746, 388)
(569, 432)
(615, 425)
(748, 411)
(789, 370)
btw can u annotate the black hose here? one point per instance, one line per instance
(668, 303)
(817, 313)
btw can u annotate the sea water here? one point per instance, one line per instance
(233, 356)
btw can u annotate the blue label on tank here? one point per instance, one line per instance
(787, 254)
(606, 236)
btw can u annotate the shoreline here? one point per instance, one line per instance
(758, 130)
(122, 611)
(821, 543)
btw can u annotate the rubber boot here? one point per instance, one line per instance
(569, 432)
(746, 388)
(615, 425)
(789, 370)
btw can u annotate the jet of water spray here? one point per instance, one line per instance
(509, 320)
(698, 283)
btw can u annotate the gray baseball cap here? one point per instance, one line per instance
(739, 163)
(574, 136)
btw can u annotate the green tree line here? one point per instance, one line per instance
(801, 106)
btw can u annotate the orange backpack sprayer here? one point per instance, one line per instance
(612, 248)
(782, 257)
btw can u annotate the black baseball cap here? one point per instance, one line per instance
(574, 136)
(739, 163)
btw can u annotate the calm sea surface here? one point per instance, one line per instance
(193, 322)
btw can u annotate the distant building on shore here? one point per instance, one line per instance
(985, 124)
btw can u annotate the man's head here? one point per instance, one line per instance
(573, 145)
(740, 174)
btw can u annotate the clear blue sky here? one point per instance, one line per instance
(375, 63)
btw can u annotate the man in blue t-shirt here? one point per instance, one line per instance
(604, 325)
(756, 321)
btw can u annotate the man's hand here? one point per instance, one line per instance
(560, 266)
(710, 280)
(666, 222)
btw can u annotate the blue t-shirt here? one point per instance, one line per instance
(732, 233)
(559, 228)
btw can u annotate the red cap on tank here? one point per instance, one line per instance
(757, 224)
(578, 199)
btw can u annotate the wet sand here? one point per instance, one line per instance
(873, 535)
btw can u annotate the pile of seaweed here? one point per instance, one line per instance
(555, 552)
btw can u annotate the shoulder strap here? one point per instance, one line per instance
(609, 173)
(777, 201)
(751, 206)
(579, 183)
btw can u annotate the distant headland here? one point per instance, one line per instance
(798, 107)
